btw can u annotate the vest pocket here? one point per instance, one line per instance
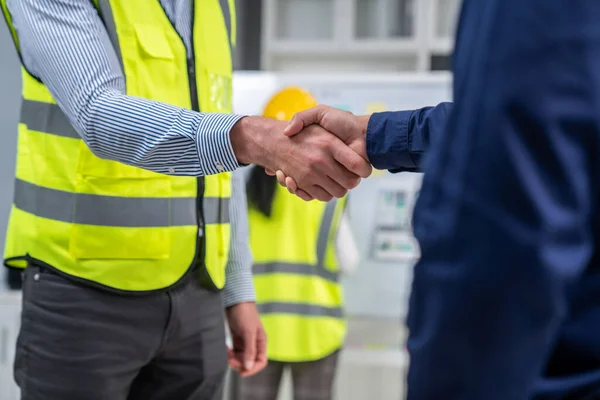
(153, 42)
(154, 62)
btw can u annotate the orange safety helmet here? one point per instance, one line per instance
(287, 102)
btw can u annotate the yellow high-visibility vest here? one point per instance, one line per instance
(296, 276)
(108, 223)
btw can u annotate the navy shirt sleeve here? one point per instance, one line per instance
(507, 217)
(397, 141)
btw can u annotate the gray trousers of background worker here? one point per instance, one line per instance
(312, 380)
(81, 343)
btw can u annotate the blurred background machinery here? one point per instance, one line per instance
(363, 56)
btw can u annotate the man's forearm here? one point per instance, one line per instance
(160, 137)
(90, 90)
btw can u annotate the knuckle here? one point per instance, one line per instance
(319, 164)
(312, 158)
(322, 197)
(353, 183)
(340, 192)
(356, 164)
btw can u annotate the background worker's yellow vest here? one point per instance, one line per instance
(112, 224)
(296, 277)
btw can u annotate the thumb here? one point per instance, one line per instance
(294, 127)
(303, 119)
(249, 354)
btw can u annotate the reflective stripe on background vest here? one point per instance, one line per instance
(263, 269)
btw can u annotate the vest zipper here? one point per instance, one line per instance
(201, 239)
(196, 107)
(200, 256)
(192, 78)
(200, 180)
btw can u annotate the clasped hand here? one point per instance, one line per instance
(349, 129)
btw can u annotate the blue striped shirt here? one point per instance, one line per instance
(65, 45)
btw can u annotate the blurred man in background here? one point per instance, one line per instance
(505, 300)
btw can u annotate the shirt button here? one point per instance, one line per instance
(220, 167)
(172, 170)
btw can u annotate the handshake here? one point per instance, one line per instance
(320, 154)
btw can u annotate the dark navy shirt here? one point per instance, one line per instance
(506, 297)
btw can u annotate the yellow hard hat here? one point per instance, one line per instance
(287, 102)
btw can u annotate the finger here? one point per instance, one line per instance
(333, 177)
(329, 176)
(261, 345)
(269, 172)
(319, 193)
(303, 195)
(233, 361)
(304, 118)
(261, 352)
(249, 351)
(291, 184)
(259, 365)
(334, 188)
(294, 127)
(352, 161)
(281, 178)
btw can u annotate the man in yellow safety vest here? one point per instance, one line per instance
(124, 217)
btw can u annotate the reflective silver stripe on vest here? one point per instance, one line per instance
(300, 309)
(296, 269)
(323, 239)
(47, 118)
(115, 211)
(111, 28)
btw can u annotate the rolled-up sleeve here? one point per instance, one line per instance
(398, 140)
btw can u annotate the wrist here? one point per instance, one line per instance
(243, 138)
(363, 121)
(240, 305)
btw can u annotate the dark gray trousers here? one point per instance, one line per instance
(80, 343)
(312, 380)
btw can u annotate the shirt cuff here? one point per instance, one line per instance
(239, 288)
(214, 143)
(388, 140)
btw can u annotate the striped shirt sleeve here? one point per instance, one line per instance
(65, 45)
(239, 286)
